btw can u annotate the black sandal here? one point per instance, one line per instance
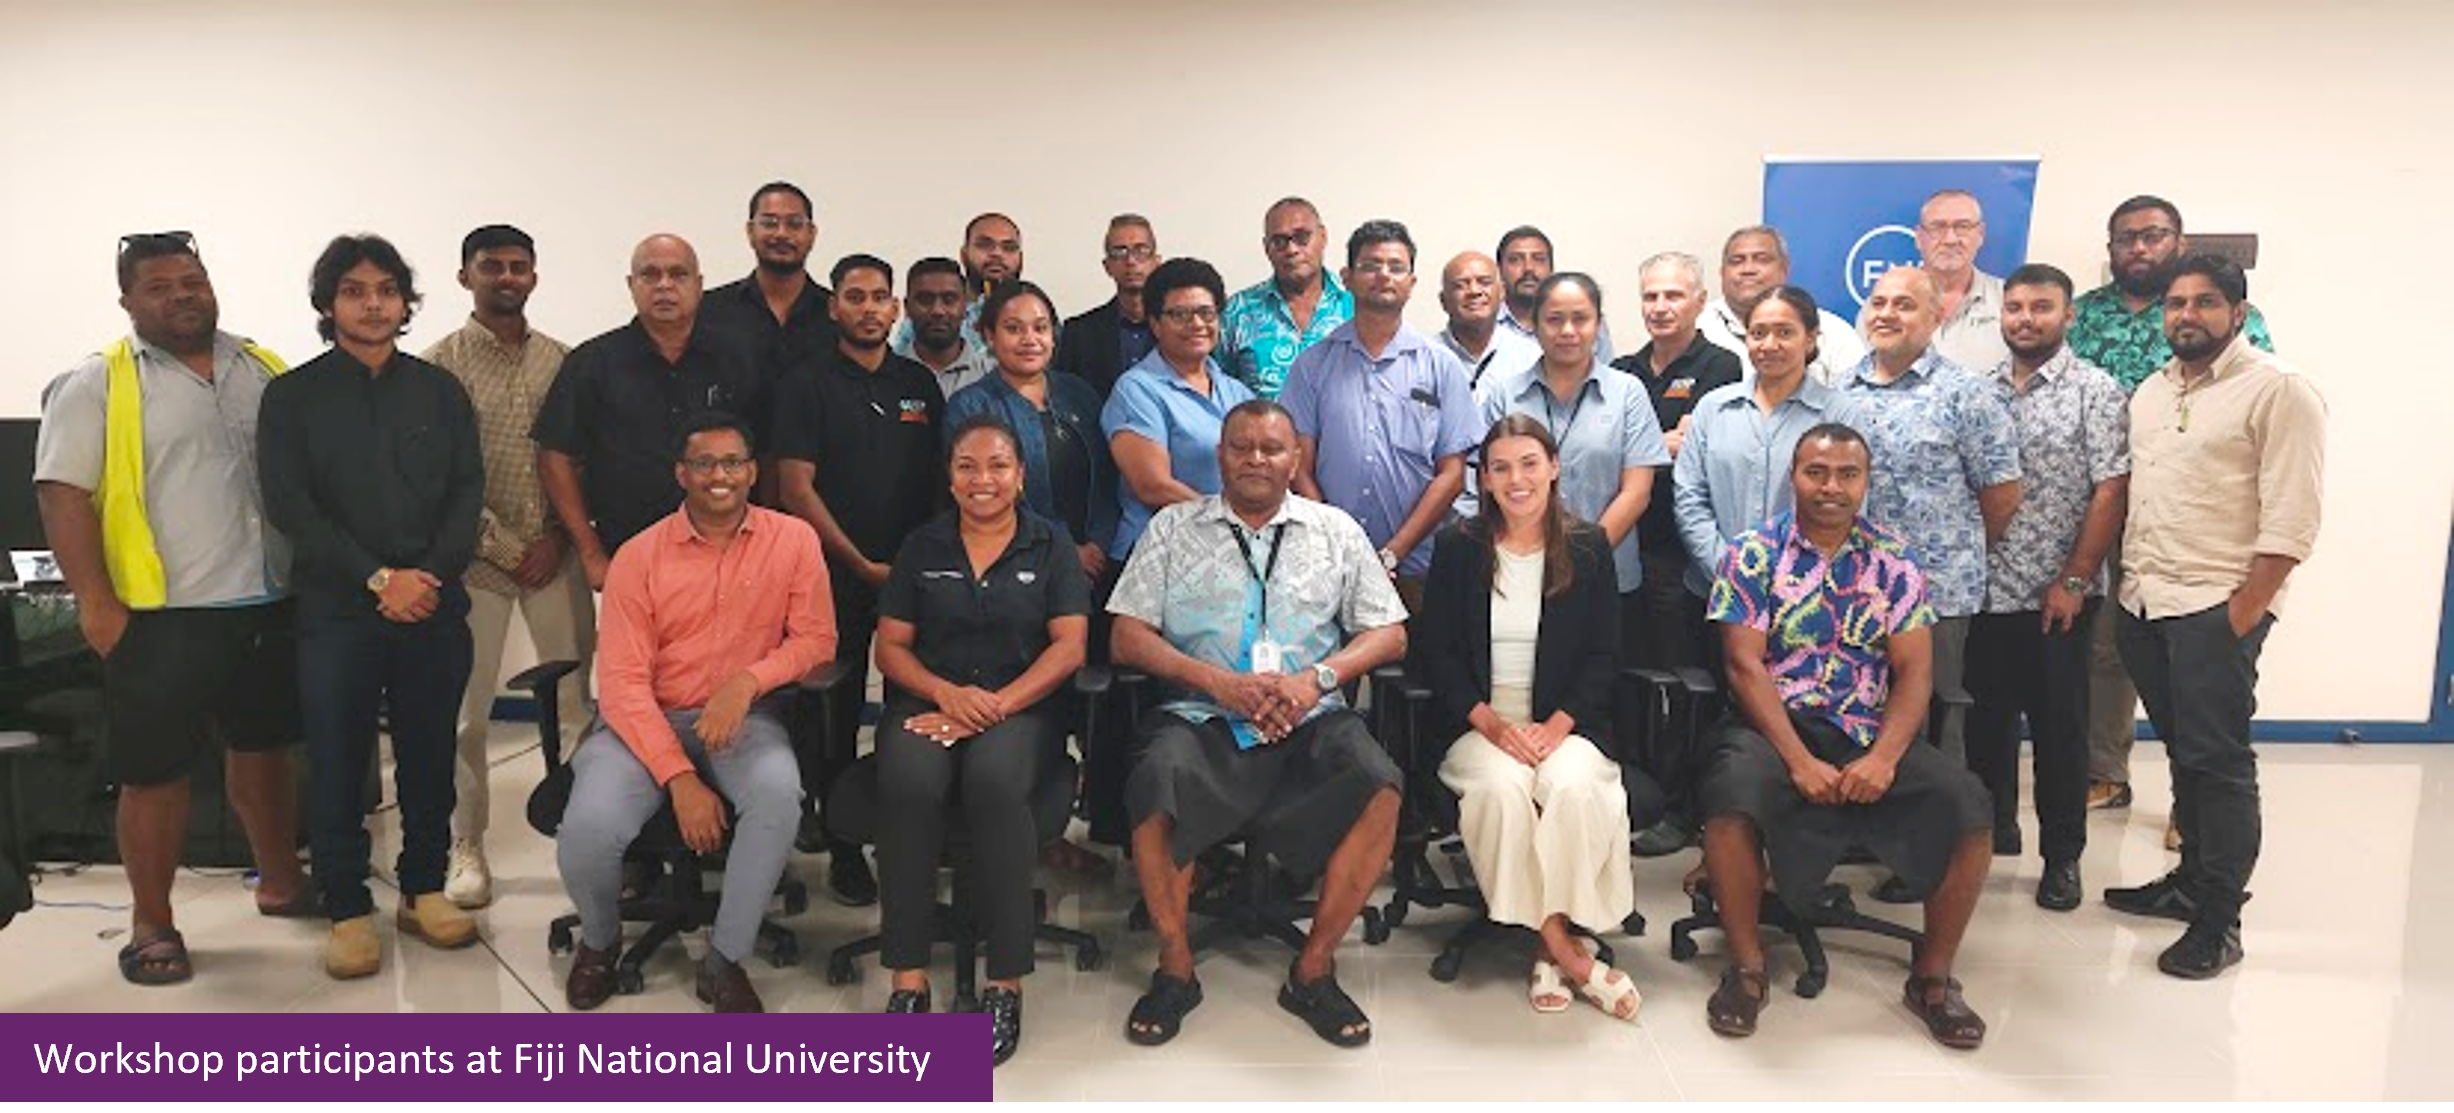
(1160, 1013)
(908, 1000)
(1732, 1009)
(1004, 1009)
(1322, 1004)
(157, 959)
(1950, 1021)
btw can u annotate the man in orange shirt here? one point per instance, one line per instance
(707, 611)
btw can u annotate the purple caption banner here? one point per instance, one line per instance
(52, 1057)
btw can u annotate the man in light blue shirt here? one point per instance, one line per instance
(1733, 470)
(1525, 261)
(1385, 415)
(1946, 461)
(1267, 324)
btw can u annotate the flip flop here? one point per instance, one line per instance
(1548, 993)
(157, 959)
(1162, 1010)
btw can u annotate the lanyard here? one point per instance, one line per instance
(1550, 414)
(1278, 534)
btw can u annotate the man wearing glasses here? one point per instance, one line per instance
(778, 312)
(992, 253)
(856, 441)
(2119, 326)
(687, 672)
(606, 429)
(1950, 232)
(1267, 324)
(1098, 345)
(1384, 415)
(181, 587)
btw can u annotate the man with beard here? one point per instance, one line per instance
(857, 441)
(992, 253)
(1098, 345)
(1525, 260)
(942, 318)
(2027, 650)
(2119, 326)
(2229, 449)
(145, 475)
(777, 314)
(1755, 260)
(1267, 324)
(507, 368)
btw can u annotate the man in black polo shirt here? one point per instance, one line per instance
(606, 431)
(1677, 366)
(857, 443)
(371, 467)
(778, 312)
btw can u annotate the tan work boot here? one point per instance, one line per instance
(433, 918)
(353, 951)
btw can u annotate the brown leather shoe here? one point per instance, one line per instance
(592, 977)
(1948, 1018)
(1734, 1005)
(726, 987)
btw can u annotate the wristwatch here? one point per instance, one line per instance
(2075, 586)
(379, 581)
(1324, 678)
(1388, 561)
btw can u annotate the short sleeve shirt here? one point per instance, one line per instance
(2074, 433)
(1151, 401)
(1258, 339)
(873, 437)
(618, 406)
(1827, 621)
(983, 630)
(1939, 434)
(1381, 426)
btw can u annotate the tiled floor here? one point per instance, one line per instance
(2348, 991)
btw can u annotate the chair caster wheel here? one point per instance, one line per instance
(1088, 959)
(628, 981)
(558, 939)
(1395, 914)
(1810, 984)
(839, 971)
(1445, 968)
(786, 954)
(1682, 948)
(1634, 924)
(1375, 929)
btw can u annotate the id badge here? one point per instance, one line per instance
(1266, 658)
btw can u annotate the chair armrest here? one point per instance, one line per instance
(1698, 682)
(540, 680)
(1094, 680)
(543, 683)
(827, 677)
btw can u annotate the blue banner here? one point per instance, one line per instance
(1849, 221)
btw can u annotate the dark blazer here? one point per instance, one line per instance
(1087, 347)
(1576, 655)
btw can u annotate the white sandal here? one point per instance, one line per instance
(1611, 991)
(1548, 993)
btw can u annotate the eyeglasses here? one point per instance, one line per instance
(1392, 269)
(1280, 241)
(781, 223)
(2144, 237)
(1181, 315)
(710, 465)
(1138, 252)
(991, 243)
(133, 239)
(1955, 227)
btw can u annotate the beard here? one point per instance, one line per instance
(2034, 353)
(2200, 347)
(780, 268)
(2149, 283)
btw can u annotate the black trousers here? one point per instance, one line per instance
(2016, 670)
(988, 779)
(2200, 685)
(824, 759)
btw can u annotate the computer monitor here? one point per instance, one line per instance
(21, 525)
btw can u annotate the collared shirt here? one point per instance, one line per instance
(1939, 436)
(1603, 350)
(1153, 402)
(618, 407)
(970, 366)
(506, 384)
(1972, 337)
(1733, 471)
(682, 615)
(1258, 340)
(1827, 621)
(1699, 370)
(738, 312)
(1381, 426)
(367, 470)
(201, 493)
(2131, 346)
(2222, 471)
(1507, 352)
(1606, 429)
(873, 437)
(982, 629)
(1838, 347)
(906, 334)
(1068, 476)
(1191, 581)
(2074, 433)
(1133, 341)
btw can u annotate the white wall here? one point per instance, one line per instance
(1623, 128)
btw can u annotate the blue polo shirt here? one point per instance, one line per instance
(1608, 427)
(1381, 426)
(1152, 401)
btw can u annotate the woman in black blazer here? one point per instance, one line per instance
(1519, 643)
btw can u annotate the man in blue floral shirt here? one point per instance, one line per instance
(1267, 324)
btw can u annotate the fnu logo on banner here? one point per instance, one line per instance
(1848, 220)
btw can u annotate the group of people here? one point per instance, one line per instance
(1253, 499)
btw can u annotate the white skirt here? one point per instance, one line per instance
(1545, 840)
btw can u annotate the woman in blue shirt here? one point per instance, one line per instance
(1164, 416)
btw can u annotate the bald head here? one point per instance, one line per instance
(665, 282)
(1470, 291)
(1902, 314)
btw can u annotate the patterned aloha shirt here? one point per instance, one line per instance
(2074, 433)
(1940, 435)
(2131, 346)
(1258, 340)
(1827, 622)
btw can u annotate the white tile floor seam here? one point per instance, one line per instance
(2329, 1004)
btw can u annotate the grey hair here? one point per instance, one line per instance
(1688, 265)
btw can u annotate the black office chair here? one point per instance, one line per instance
(1240, 892)
(1834, 907)
(852, 810)
(674, 897)
(1429, 826)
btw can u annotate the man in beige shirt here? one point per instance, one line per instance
(2228, 451)
(522, 560)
